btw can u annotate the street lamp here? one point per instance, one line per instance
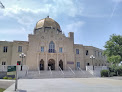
(22, 55)
(92, 57)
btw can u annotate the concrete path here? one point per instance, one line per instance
(6, 83)
(68, 85)
(116, 77)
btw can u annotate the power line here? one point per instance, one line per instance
(1, 5)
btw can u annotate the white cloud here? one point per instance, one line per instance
(55, 8)
(113, 10)
(29, 16)
(74, 27)
(67, 7)
(21, 31)
(24, 16)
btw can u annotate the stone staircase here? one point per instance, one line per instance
(57, 74)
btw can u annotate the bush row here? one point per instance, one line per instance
(9, 78)
(113, 71)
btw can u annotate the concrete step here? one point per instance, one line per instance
(56, 74)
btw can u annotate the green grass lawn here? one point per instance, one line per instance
(1, 89)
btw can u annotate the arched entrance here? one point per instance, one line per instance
(51, 64)
(61, 64)
(42, 64)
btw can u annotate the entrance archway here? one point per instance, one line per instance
(61, 64)
(42, 64)
(51, 64)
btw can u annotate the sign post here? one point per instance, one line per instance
(16, 82)
(12, 70)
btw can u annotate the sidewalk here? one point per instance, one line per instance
(68, 85)
(6, 83)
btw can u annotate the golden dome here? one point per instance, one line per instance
(47, 22)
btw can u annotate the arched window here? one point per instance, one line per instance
(51, 47)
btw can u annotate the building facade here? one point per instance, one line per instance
(48, 48)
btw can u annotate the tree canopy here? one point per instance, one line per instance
(113, 49)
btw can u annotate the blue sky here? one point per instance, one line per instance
(92, 21)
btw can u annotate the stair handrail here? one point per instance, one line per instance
(61, 70)
(27, 69)
(50, 70)
(39, 70)
(81, 70)
(71, 70)
(91, 71)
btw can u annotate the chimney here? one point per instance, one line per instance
(71, 35)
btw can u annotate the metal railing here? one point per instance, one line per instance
(39, 71)
(81, 70)
(27, 70)
(72, 71)
(91, 71)
(61, 70)
(50, 70)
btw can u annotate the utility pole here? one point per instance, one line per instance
(1, 5)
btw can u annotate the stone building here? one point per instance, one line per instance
(49, 47)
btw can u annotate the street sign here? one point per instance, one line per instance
(11, 70)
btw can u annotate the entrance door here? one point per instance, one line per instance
(78, 64)
(51, 64)
(61, 64)
(42, 64)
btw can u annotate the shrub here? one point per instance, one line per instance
(5, 77)
(112, 74)
(9, 78)
(112, 68)
(120, 74)
(118, 70)
(14, 78)
(104, 73)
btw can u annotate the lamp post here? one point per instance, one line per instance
(22, 55)
(92, 57)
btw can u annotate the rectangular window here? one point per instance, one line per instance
(77, 51)
(42, 48)
(60, 50)
(3, 63)
(87, 52)
(98, 54)
(5, 48)
(18, 62)
(19, 48)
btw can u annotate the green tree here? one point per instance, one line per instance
(113, 49)
(114, 59)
